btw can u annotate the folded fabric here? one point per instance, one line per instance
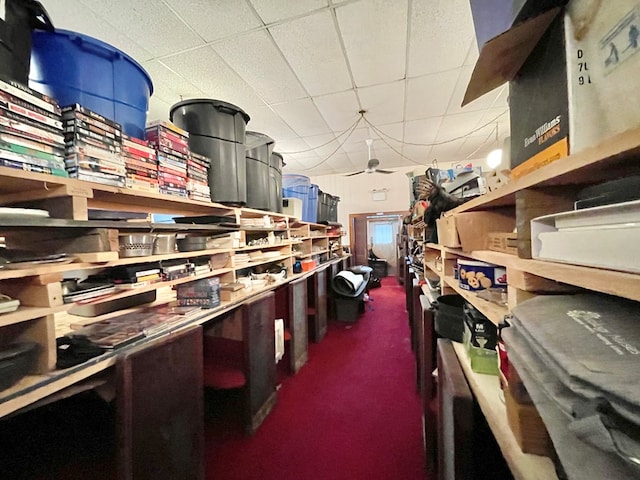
(580, 459)
(348, 282)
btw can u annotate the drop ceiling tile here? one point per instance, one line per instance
(440, 34)
(206, 70)
(418, 155)
(422, 132)
(256, 59)
(478, 104)
(169, 85)
(473, 53)
(296, 147)
(312, 48)
(216, 20)
(84, 20)
(303, 117)
(374, 35)
(391, 133)
(161, 33)
(274, 10)
(429, 95)
(264, 119)
(460, 125)
(324, 145)
(383, 103)
(340, 110)
(448, 152)
(356, 142)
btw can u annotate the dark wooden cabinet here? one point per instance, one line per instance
(298, 324)
(317, 298)
(160, 409)
(258, 319)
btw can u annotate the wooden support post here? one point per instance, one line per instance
(532, 203)
(533, 283)
(34, 295)
(75, 208)
(516, 296)
(41, 331)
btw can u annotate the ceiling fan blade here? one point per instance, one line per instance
(356, 173)
(385, 171)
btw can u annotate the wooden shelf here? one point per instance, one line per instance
(266, 246)
(622, 284)
(612, 158)
(24, 314)
(486, 389)
(492, 311)
(261, 262)
(55, 268)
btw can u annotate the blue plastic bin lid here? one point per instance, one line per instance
(102, 47)
(293, 180)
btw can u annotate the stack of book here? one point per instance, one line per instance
(198, 177)
(171, 144)
(141, 164)
(175, 269)
(203, 293)
(93, 146)
(31, 135)
(138, 275)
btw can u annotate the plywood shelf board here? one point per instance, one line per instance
(24, 314)
(486, 389)
(492, 311)
(599, 162)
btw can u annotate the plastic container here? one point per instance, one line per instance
(228, 171)
(323, 206)
(291, 180)
(332, 215)
(474, 275)
(212, 118)
(449, 317)
(258, 154)
(310, 209)
(276, 162)
(76, 68)
(17, 20)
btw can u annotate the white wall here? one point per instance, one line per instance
(355, 193)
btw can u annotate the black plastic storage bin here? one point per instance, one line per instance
(217, 130)
(17, 21)
(332, 209)
(323, 206)
(211, 118)
(258, 149)
(449, 317)
(228, 170)
(380, 267)
(276, 162)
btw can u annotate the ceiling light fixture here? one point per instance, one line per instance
(494, 159)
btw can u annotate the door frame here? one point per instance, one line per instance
(364, 216)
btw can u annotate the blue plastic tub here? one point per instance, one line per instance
(310, 209)
(293, 180)
(75, 68)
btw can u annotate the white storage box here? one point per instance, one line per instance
(292, 206)
(605, 237)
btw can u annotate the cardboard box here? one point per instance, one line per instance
(528, 428)
(473, 227)
(575, 89)
(505, 242)
(447, 233)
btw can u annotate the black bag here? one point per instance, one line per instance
(374, 282)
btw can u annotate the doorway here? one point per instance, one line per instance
(378, 232)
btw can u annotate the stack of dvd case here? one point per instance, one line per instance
(93, 146)
(198, 177)
(171, 144)
(31, 134)
(141, 163)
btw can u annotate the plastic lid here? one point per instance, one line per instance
(79, 37)
(218, 104)
(257, 139)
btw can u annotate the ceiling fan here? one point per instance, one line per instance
(372, 164)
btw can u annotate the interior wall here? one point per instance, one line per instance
(356, 193)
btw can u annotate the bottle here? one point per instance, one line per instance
(297, 266)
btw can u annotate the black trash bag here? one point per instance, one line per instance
(374, 282)
(440, 201)
(76, 349)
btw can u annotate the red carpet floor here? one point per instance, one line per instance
(352, 412)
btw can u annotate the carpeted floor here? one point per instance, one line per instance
(352, 412)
